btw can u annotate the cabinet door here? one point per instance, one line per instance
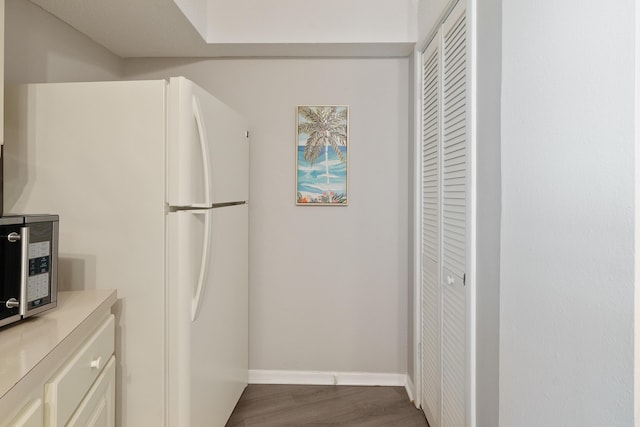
(98, 407)
(65, 391)
(31, 416)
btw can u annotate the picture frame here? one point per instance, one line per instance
(322, 155)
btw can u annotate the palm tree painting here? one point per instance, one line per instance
(322, 155)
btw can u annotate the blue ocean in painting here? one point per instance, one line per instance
(312, 180)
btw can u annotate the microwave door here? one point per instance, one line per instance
(40, 276)
(11, 272)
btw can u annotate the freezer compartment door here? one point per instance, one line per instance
(208, 148)
(207, 302)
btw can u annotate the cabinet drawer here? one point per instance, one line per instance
(98, 408)
(65, 391)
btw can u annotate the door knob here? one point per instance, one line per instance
(96, 363)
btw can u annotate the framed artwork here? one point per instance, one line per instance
(322, 160)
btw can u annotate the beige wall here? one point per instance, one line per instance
(328, 285)
(41, 48)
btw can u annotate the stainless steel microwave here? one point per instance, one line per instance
(28, 266)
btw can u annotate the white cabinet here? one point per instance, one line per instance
(98, 407)
(59, 368)
(30, 416)
(65, 391)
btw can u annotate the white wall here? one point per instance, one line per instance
(294, 21)
(328, 285)
(636, 332)
(41, 48)
(488, 207)
(196, 13)
(566, 286)
(429, 14)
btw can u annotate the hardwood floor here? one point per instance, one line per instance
(308, 405)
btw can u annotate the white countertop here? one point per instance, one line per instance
(23, 346)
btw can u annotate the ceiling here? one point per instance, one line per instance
(157, 28)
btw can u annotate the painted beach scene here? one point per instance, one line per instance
(322, 155)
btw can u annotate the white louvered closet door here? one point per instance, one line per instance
(431, 135)
(445, 354)
(454, 209)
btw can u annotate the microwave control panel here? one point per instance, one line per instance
(38, 282)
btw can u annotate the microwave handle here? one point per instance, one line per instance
(24, 269)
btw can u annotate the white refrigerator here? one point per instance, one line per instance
(151, 182)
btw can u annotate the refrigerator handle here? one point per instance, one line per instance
(204, 262)
(197, 113)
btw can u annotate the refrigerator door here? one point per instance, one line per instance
(208, 149)
(207, 320)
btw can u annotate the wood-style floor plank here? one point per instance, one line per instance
(305, 405)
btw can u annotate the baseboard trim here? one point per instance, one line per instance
(408, 386)
(263, 376)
